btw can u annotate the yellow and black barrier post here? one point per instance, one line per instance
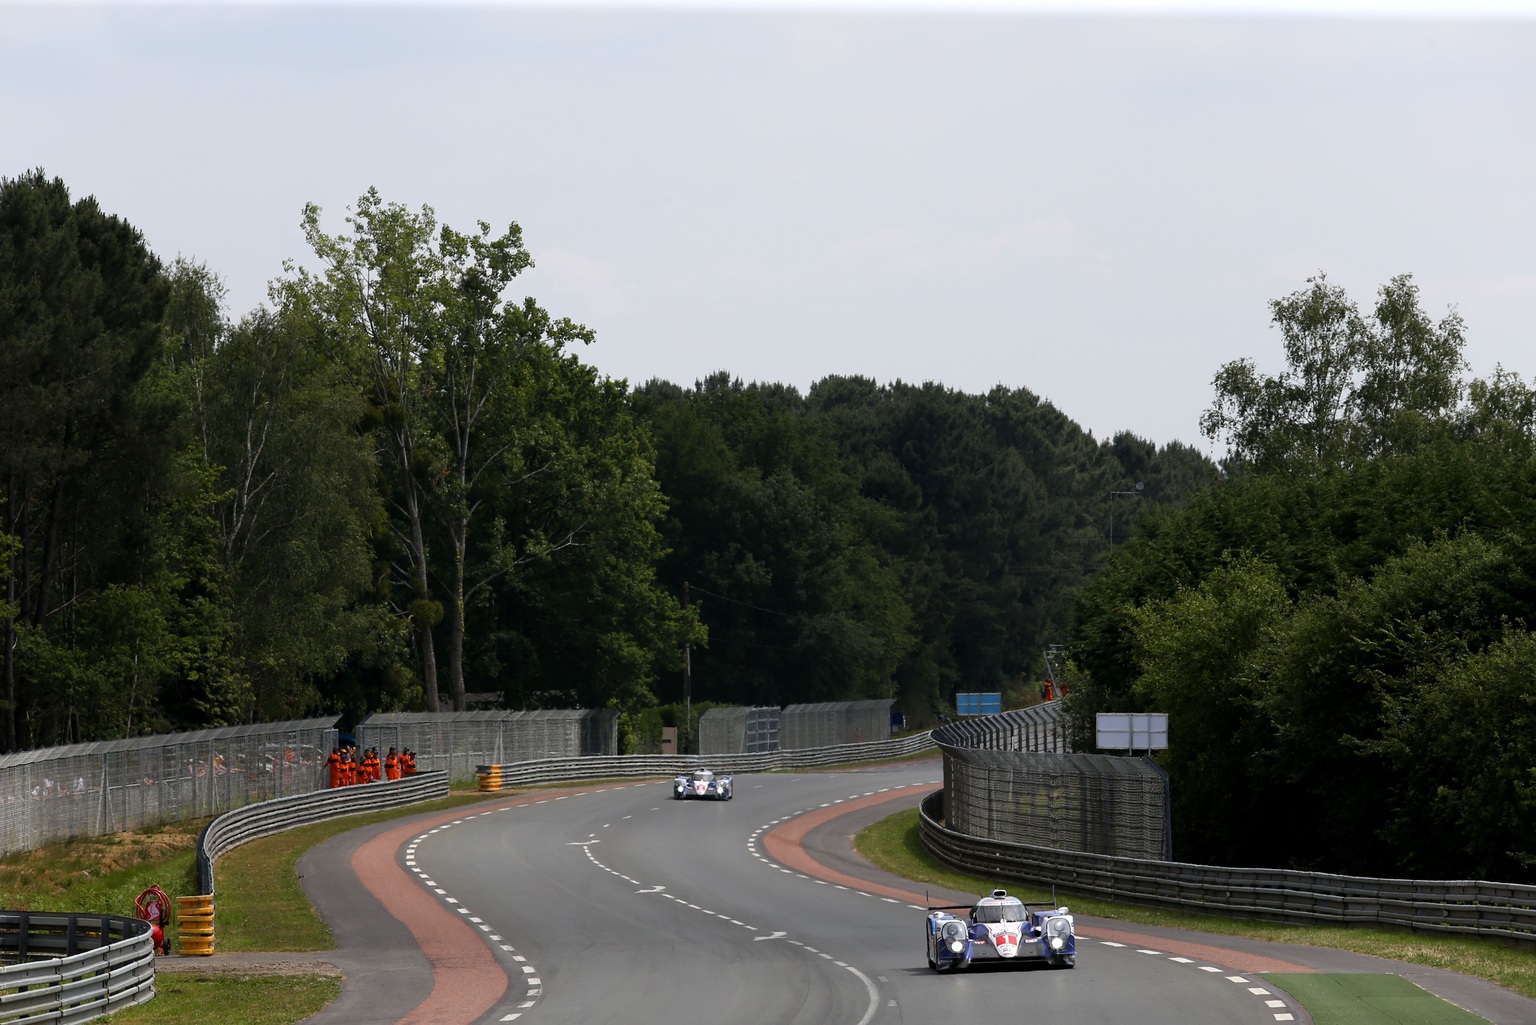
(194, 924)
(490, 777)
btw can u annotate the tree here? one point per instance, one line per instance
(1200, 656)
(478, 410)
(779, 550)
(81, 441)
(1353, 387)
(293, 471)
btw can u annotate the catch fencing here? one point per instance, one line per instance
(735, 731)
(1040, 728)
(61, 793)
(458, 742)
(1013, 778)
(831, 723)
(64, 969)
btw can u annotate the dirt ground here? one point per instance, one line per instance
(244, 964)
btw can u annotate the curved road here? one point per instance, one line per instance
(618, 904)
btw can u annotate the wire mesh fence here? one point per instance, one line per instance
(835, 722)
(735, 731)
(1100, 804)
(1040, 728)
(60, 793)
(458, 742)
(1013, 778)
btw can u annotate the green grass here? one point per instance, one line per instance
(893, 844)
(186, 998)
(259, 903)
(1370, 1000)
(101, 874)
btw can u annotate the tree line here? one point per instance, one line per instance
(1339, 627)
(395, 487)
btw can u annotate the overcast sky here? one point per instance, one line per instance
(1095, 203)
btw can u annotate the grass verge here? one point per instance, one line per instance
(186, 998)
(893, 844)
(261, 904)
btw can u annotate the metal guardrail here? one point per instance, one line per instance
(73, 967)
(1505, 911)
(254, 821)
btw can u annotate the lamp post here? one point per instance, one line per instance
(1134, 494)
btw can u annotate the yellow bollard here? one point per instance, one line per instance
(194, 924)
(490, 777)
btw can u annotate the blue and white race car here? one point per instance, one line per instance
(702, 783)
(999, 927)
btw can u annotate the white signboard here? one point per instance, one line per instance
(1132, 731)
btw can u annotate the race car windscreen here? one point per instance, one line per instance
(992, 913)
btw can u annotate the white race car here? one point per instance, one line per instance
(999, 927)
(702, 783)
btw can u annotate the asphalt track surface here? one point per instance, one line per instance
(616, 903)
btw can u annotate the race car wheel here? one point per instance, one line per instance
(1064, 962)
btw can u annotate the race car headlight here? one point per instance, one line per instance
(953, 936)
(1057, 932)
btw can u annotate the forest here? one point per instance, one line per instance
(1339, 626)
(395, 487)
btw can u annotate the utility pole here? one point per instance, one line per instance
(687, 678)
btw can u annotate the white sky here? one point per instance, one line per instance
(1092, 201)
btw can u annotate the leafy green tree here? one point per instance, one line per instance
(1463, 753)
(1200, 656)
(282, 432)
(777, 547)
(501, 450)
(1002, 508)
(1353, 386)
(82, 441)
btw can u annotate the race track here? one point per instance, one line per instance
(620, 904)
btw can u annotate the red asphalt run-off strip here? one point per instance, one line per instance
(467, 981)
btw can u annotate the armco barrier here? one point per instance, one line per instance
(1467, 907)
(232, 829)
(73, 967)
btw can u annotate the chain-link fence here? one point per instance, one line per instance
(1099, 804)
(834, 722)
(736, 731)
(458, 742)
(59, 793)
(1012, 777)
